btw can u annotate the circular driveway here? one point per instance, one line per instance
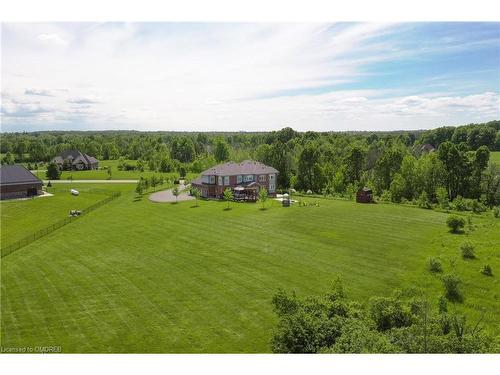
(168, 196)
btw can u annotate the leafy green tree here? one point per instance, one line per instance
(176, 193)
(8, 159)
(354, 164)
(139, 188)
(451, 283)
(334, 324)
(457, 168)
(467, 250)
(387, 166)
(263, 195)
(442, 197)
(389, 312)
(479, 164)
(221, 151)
(196, 194)
(455, 223)
(53, 172)
(423, 200)
(228, 196)
(182, 149)
(310, 175)
(121, 163)
(397, 187)
(410, 175)
(490, 185)
(110, 172)
(140, 165)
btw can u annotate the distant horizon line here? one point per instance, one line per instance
(242, 131)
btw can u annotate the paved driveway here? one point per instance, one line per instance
(168, 196)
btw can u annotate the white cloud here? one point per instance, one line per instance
(207, 77)
(52, 39)
(38, 92)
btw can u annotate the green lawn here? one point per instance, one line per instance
(102, 174)
(137, 276)
(495, 157)
(20, 218)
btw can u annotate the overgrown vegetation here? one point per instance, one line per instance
(467, 250)
(401, 323)
(435, 265)
(455, 223)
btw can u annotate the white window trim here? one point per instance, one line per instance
(262, 178)
(226, 180)
(239, 179)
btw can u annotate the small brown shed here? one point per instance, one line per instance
(364, 195)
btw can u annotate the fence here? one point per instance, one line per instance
(43, 232)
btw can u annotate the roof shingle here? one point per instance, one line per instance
(245, 167)
(17, 175)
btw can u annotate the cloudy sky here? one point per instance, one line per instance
(255, 77)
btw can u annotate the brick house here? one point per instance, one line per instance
(245, 179)
(18, 182)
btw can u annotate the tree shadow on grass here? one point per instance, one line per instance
(137, 199)
(263, 209)
(227, 209)
(195, 206)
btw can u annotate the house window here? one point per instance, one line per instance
(271, 187)
(248, 178)
(271, 177)
(239, 179)
(212, 179)
(262, 178)
(220, 180)
(226, 180)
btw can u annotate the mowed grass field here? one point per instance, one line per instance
(102, 174)
(495, 157)
(20, 218)
(137, 276)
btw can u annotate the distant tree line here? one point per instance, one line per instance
(427, 167)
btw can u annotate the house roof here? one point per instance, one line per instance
(17, 175)
(245, 167)
(75, 156)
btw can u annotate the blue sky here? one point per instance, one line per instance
(258, 77)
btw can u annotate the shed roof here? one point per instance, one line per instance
(17, 175)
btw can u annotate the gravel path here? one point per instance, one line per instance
(168, 196)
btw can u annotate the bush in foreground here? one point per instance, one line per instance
(452, 289)
(487, 271)
(335, 324)
(467, 250)
(496, 212)
(435, 265)
(455, 223)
